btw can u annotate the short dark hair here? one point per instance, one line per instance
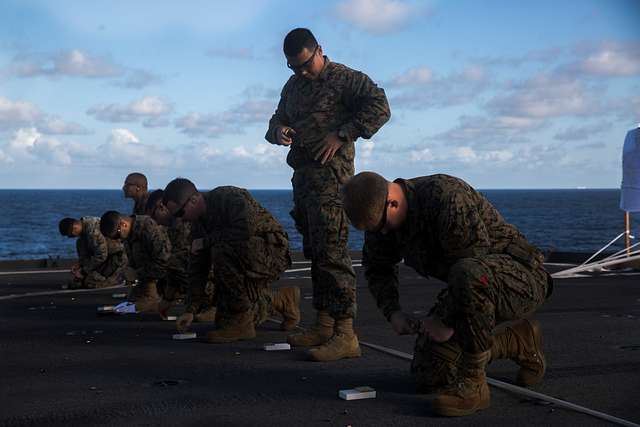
(139, 179)
(297, 40)
(154, 197)
(364, 198)
(178, 191)
(109, 223)
(66, 226)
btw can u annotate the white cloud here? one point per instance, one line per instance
(56, 126)
(421, 155)
(78, 63)
(16, 114)
(257, 108)
(375, 16)
(73, 62)
(28, 146)
(152, 109)
(421, 88)
(123, 148)
(138, 79)
(545, 96)
(469, 155)
(579, 133)
(609, 59)
(490, 131)
(414, 76)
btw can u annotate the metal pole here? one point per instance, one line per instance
(627, 231)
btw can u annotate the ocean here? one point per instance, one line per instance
(560, 220)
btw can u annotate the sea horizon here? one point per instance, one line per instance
(565, 220)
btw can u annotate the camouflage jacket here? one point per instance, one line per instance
(92, 247)
(148, 248)
(339, 99)
(233, 221)
(180, 237)
(139, 207)
(447, 220)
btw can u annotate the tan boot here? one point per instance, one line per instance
(470, 393)
(148, 299)
(237, 327)
(317, 335)
(343, 344)
(522, 343)
(286, 301)
(208, 315)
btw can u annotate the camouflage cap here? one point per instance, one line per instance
(364, 198)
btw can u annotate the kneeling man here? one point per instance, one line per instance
(443, 228)
(248, 249)
(148, 249)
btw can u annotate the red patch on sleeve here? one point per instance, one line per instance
(484, 280)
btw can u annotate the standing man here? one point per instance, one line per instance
(443, 228)
(101, 260)
(135, 187)
(148, 250)
(248, 249)
(324, 108)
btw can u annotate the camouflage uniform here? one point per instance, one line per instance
(248, 249)
(454, 234)
(139, 207)
(177, 279)
(148, 249)
(101, 259)
(339, 99)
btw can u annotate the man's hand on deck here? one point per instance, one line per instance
(184, 322)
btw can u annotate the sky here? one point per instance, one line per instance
(530, 94)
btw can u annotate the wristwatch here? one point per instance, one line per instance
(342, 135)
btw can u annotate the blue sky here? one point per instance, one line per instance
(503, 94)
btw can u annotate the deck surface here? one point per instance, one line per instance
(61, 364)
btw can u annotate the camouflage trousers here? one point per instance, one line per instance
(242, 276)
(106, 275)
(481, 294)
(320, 218)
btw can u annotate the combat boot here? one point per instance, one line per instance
(317, 335)
(286, 301)
(471, 391)
(522, 343)
(236, 327)
(343, 344)
(148, 299)
(208, 315)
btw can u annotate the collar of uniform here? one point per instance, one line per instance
(325, 68)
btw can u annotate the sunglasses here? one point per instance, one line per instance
(305, 65)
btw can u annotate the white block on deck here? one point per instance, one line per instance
(187, 336)
(357, 393)
(277, 346)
